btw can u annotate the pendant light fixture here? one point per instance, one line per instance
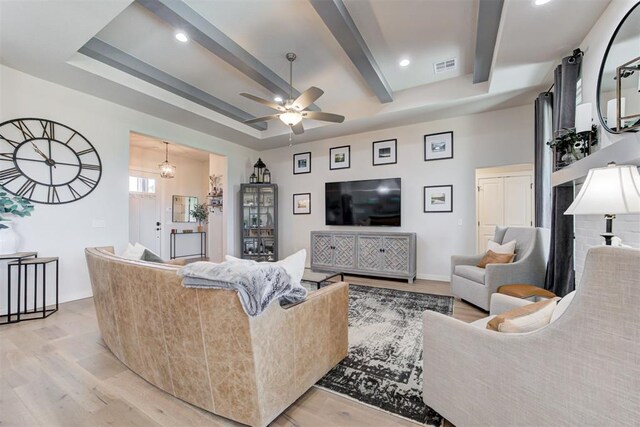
(167, 170)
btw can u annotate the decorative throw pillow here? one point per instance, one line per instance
(293, 264)
(494, 258)
(562, 306)
(133, 252)
(524, 319)
(507, 248)
(147, 255)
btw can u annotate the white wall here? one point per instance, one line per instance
(489, 139)
(218, 220)
(588, 228)
(66, 230)
(192, 179)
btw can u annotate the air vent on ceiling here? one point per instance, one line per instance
(444, 66)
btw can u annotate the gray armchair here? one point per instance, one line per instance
(475, 284)
(581, 370)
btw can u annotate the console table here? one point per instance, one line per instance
(203, 244)
(383, 254)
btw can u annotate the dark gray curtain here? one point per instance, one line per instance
(560, 277)
(565, 88)
(543, 158)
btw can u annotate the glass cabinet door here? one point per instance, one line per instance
(259, 212)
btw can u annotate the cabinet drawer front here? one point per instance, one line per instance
(369, 252)
(396, 254)
(344, 252)
(322, 249)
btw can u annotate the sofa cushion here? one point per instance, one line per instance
(470, 272)
(494, 258)
(505, 248)
(147, 255)
(482, 323)
(524, 319)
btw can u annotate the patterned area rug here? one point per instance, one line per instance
(384, 365)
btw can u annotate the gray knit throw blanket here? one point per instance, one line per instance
(258, 285)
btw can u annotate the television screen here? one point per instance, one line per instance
(374, 202)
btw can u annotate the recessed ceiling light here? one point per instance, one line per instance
(182, 37)
(278, 99)
(404, 63)
(540, 2)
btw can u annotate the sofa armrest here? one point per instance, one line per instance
(464, 260)
(522, 271)
(502, 303)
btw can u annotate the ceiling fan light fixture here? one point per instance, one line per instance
(291, 118)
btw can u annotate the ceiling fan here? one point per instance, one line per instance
(292, 111)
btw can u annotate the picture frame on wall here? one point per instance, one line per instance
(438, 146)
(385, 152)
(438, 198)
(340, 157)
(301, 163)
(302, 204)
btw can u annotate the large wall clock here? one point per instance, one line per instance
(47, 162)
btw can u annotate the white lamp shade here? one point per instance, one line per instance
(610, 190)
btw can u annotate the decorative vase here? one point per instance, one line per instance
(9, 239)
(200, 228)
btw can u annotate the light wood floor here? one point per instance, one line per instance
(58, 372)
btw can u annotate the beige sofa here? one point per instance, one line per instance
(201, 347)
(581, 370)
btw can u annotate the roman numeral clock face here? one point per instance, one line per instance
(47, 162)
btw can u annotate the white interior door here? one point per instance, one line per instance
(144, 221)
(490, 209)
(518, 200)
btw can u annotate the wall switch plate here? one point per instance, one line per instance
(98, 223)
(460, 221)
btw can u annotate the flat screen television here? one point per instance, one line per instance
(374, 202)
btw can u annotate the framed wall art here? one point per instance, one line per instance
(385, 152)
(301, 163)
(438, 146)
(438, 198)
(302, 204)
(340, 157)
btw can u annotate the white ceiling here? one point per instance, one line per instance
(531, 40)
(157, 148)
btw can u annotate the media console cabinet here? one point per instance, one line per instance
(383, 254)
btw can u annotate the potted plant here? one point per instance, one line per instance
(570, 146)
(201, 214)
(11, 206)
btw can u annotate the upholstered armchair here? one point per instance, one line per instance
(475, 284)
(583, 369)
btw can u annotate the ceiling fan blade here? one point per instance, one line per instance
(261, 119)
(298, 128)
(307, 98)
(325, 117)
(262, 101)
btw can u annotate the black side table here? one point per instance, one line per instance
(25, 264)
(18, 256)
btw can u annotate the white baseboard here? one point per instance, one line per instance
(434, 277)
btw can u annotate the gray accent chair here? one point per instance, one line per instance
(581, 370)
(475, 284)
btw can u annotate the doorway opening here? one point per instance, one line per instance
(505, 198)
(161, 209)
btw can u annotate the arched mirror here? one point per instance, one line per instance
(619, 81)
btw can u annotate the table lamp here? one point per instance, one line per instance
(611, 190)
